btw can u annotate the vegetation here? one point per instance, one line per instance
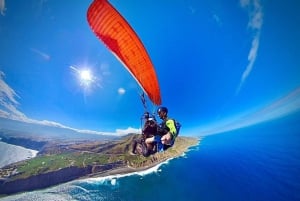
(92, 154)
(48, 163)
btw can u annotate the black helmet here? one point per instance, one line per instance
(162, 109)
(146, 115)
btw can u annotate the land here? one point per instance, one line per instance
(62, 161)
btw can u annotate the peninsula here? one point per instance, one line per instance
(59, 162)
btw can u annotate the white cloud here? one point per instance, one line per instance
(128, 130)
(9, 110)
(276, 109)
(192, 9)
(217, 19)
(104, 68)
(41, 54)
(8, 100)
(6, 91)
(2, 7)
(121, 91)
(255, 13)
(9, 104)
(244, 3)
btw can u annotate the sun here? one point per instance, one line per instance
(86, 76)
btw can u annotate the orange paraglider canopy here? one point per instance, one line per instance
(114, 31)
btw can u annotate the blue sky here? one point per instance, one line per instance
(221, 65)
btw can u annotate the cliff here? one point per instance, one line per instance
(52, 178)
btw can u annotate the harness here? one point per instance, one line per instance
(151, 128)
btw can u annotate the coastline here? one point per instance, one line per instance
(124, 171)
(112, 169)
(127, 170)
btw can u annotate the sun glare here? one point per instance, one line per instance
(86, 76)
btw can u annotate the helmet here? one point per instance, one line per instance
(162, 109)
(146, 115)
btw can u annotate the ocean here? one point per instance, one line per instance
(261, 162)
(11, 153)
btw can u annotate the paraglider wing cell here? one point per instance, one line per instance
(114, 31)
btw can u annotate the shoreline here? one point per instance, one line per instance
(132, 165)
(123, 171)
(127, 170)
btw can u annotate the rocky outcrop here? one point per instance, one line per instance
(110, 166)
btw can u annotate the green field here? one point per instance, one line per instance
(88, 154)
(48, 163)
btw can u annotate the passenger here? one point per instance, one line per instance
(149, 130)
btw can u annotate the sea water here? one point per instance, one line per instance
(261, 162)
(11, 153)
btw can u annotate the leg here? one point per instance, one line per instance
(156, 142)
(134, 144)
(149, 140)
